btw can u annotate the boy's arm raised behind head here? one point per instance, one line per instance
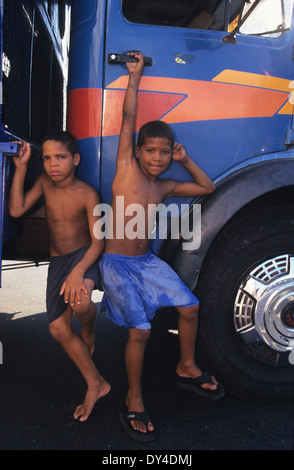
(202, 184)
(125, 152)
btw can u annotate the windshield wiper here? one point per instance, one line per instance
(279, 29)
(231, 38)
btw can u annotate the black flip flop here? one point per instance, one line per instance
(126, 417)
(194, 385)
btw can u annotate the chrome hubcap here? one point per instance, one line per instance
(264, 310)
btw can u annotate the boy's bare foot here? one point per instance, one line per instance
(93, 394)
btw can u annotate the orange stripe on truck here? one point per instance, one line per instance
(84, 112)
(230, 95)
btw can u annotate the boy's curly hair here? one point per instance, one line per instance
(155, 129)
(65, 138)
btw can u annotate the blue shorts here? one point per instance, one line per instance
(136, 286)
(59, 269)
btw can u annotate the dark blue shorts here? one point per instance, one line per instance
(59, 269)
(136, 286)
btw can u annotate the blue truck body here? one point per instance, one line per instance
(221, 74)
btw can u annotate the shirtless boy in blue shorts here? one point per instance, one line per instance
(135, 282)
(73, 273)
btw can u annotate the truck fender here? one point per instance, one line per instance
(232, 193)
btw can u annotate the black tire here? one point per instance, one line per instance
(242, 245)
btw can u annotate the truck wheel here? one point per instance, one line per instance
(246, 291)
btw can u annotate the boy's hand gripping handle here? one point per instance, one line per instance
(114, 58)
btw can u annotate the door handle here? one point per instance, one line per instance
(114, 58)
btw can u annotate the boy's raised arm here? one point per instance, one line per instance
(125, 147)
(19, 202)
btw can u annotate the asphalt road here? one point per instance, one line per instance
(40, 388)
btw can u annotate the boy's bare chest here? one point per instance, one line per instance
(63, 205)
(137, 190)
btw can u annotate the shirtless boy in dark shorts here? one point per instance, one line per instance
(73, 274)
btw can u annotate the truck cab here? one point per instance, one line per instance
(220, 73)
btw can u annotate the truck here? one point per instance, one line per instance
(220, 73)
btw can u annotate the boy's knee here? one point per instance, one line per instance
(194, 310)
(139, 336)
(58, 331)
(189, 313)
(82, 308)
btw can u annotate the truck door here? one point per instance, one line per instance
(226, 96)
